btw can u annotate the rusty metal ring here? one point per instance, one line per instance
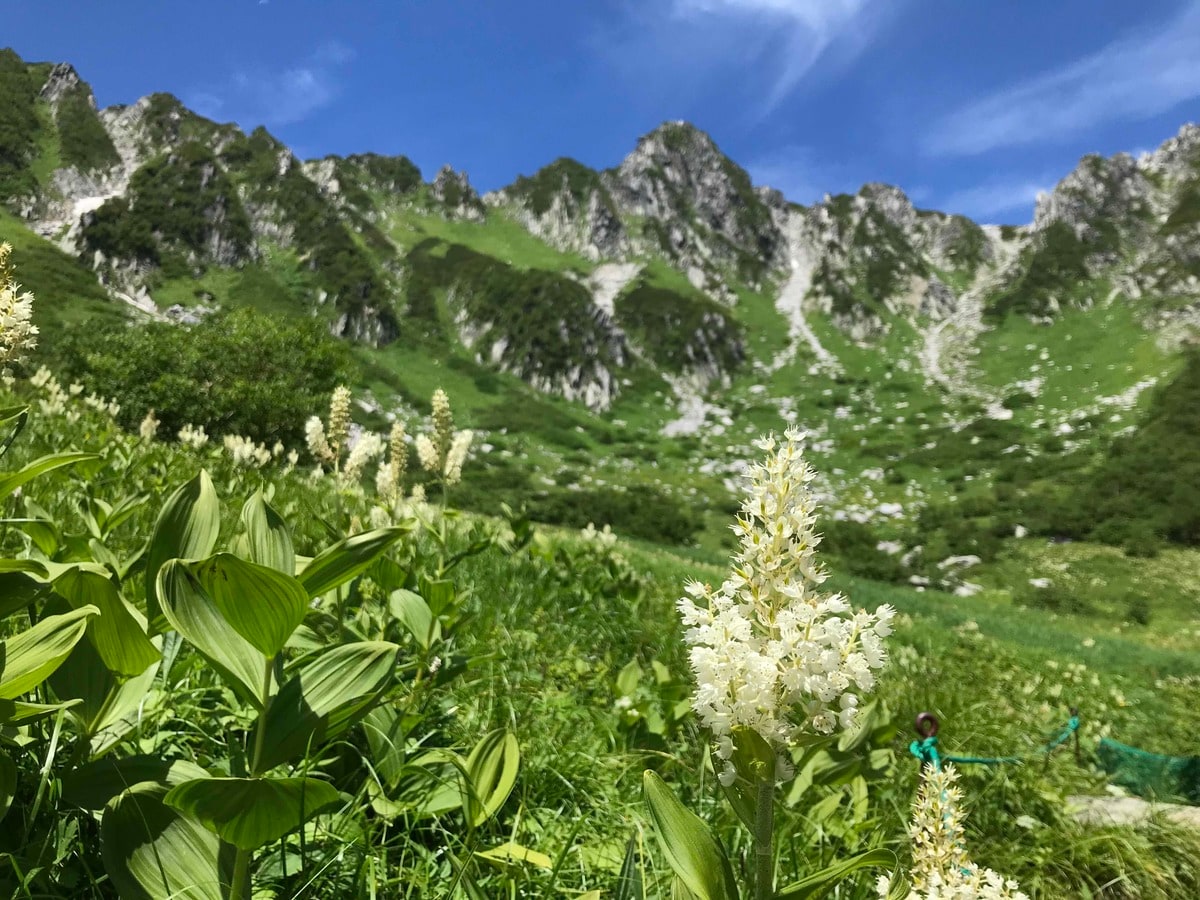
(927, 725)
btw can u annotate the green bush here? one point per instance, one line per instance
(239, 372)
(19, 126)
(83, 141)
(680, 332)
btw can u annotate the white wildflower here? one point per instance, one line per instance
(244, 452)
(427, 454)
(456, 456)
(367, 447)
(149, 427)
(941, 868)
(769, 652)
(18, 334)
(193, 436)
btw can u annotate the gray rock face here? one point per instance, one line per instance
(63, 79)
(591, 228)
(706, 208)
(453, 190)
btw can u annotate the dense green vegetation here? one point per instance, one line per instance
(681, 332)
(83, 142)
(562, 176)
(237, 372)
(19, 126)
(181, 211)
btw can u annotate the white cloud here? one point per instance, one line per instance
(985, 201)
(768, 45)
(1134, 78)
(275, 97)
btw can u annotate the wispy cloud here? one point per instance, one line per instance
(280, 96)
(1136, 77)
(770, 45)
(987, 201)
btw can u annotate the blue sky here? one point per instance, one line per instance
(969, 106)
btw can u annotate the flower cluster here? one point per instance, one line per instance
(56, 401)
(244, 452)
(366, 447)
(603, 538)
(193, 436)
(18, 334)
(941, 869)
(444, 452)
(148, 430)
(389, 481)
(768, 650)
(326, 444)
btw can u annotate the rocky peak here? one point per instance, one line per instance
(63, 80)
(705, 205)
(453, 190)
(1098, 195)
(1178, 158)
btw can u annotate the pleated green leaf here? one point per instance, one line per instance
(187, 528)
(28, 658)
(262, 605)
(347, 559)
(92, 786)
(252, 812)
(492, 768)
(269, 541)
(818, 884)
(325, 698)
(152, 851)
(691, 850)
(116, 634)
(10, 481)
(194, 615)
(8, 783)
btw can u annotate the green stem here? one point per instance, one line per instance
(239, 890)
(764, 834)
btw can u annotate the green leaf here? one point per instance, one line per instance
(8, 783)
(187, 528)
(16, 416)
(115, 633)
(28, 658)
(324, 699)
(754, 760)
(10, 481)
(32, 566)
(492, 768)
(865, 723)
(151, 852)
(17, 591)
(193, 614)
(629, 879)
(16, 712)
(251, 812)
(263, 605)
(691, 850)
(346, 559)
(629, 678)
(93, 785)
(414, 614)
(509, 852)
(270, 541)
(818, 884)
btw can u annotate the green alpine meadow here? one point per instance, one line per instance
(614, 534)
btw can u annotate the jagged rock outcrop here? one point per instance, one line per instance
(454, 192)
(567, 205)
(699, 207)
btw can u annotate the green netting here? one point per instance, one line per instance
(1151, 775)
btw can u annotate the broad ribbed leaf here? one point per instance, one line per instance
(187, 528)
(117, 636)
(268, 539)
(93, 785)
(414, 614)
(818, 884)
(10, 481)
(251, 812)
(754, 760)
(492, 767)
(347, 559)
(16, 712)
(508, 853)
(18, 590)
(8, 782)
(194, 615)
(32, 566)
(629, 879)
(325, 698)
(152, 852)
(28, 658)
(263, 605)
(691, 850)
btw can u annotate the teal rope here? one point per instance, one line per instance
(926, 750)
